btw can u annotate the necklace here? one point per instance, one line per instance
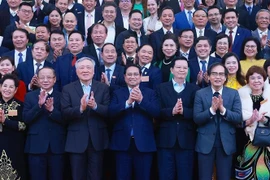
(256, 98)
(167, 62)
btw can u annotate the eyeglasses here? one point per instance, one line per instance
(250, 46)
(216, 74)
(262, 18)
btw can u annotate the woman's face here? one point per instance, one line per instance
(250, 49)
(6, 67)
(232, 65)
(209, 2)
(8, 89)
(256, 82)
(222, 46)
(55, 18)
(152, 6)
(169, 48)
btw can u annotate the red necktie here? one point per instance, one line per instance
(231, 39)
(74, 61)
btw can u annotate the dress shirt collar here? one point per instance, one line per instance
(246, 5)
(177, 87)
(198, 31)
(192, 10)
(23, 52)
(112, 67)
(219, 30)
(220, 91)
(261, 33)
(13, 13)
(165, 30)
(234, 30)
(49, 93)
(82, 84)
(206, 59)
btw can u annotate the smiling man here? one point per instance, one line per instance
(217, 111)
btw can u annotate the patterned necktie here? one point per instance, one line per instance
(38, 66)
(20, 58)
(200, 33)
(108, 74)
(231, 39)
(88, 23)
(190, 19)
(74, 61)
(168, 32)
(203, 65)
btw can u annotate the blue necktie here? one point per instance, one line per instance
(190, 19)
(108, 74)
(20, 58)
(203, 66)
(249, 10)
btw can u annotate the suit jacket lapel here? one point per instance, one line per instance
(78, 88)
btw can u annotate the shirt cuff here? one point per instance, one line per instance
(224, 112)
(212, 112)
(127, 105)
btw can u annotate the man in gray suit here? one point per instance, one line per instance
(217, 110)
(262, 32)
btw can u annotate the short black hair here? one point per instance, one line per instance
(230, 10)
(129, 35)
(109, 3)
(178, 58)
(184, 30)
(47, 68)
(165, 8)
(214, 7)
(47, 47)
(23, 31)
(57, 32)
(78, 32)
(11, 77)
(134, 11)
(25, 4)
(201, 38)
(209, 70)
(106, 44)
(132, 65)
(44, 25)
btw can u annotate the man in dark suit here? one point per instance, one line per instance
(174, 4)
(200, 21)
(198, 66)
(130, 45)
(155, 39)
(151, 75)
(27, 71)
(177, 134)
(25, 14)
(109, 15)
(217, 111)
(65, 65)
(45, 142)
(235, 33)
(135, 24)
(262, 33)
(111, 73)
(21, 53)
(214, 16)
(42, 32)
(62, 5)
(183, 20)
(251, 10)
(85, 106)
(96, 39)
(75, 8)
(133, 109)
(8, 14)
(41, 9)
(186, 40)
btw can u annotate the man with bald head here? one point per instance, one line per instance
(69, 24)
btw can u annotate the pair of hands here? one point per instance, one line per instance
(257, 116)
(265, 41)
(178, 107)
(217, 104)
(135, 96)
(202, 76)
(34, 82)
(91, 102)
(104, 79)
(42, 100)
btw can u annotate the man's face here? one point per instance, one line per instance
(89, 5)
(217, 77)
(85, 70)
(230, 20)
(19, 40)
(263, 20)
(42, 33)
(69, 22)
(130, 45)
(230, 3)
(62, 5)
(46, 79)
(180, 69)
(145, 55)
(125, 4)
(57, 42)
(200, 18)
(99, 35)
(167, 18)
(214, 17)
(109, 14)
(203, 49)
(186, 39)
(132, 77)
(135, 21)
(25, 14)
(189, 4)
(75, 43)
(39, 52)
(109, 54)
(14, 4)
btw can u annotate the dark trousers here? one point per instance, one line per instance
(175, 162)
(46, 166)
(133, 159)
(87, 165)
(220, 158)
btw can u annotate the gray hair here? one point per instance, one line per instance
(262, 10)
(85, 59)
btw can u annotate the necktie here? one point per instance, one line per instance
(20, 58)
(200, 33)
(38, 66)
(101, 62)
(181, 4)
(216, 94)
(168, 32)
(88, 23)
(249, 10)
(231, 39)
(74, 61)
(190, 19)
(108, 74)
(37, 10)
(130, 59)
(203, 66)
